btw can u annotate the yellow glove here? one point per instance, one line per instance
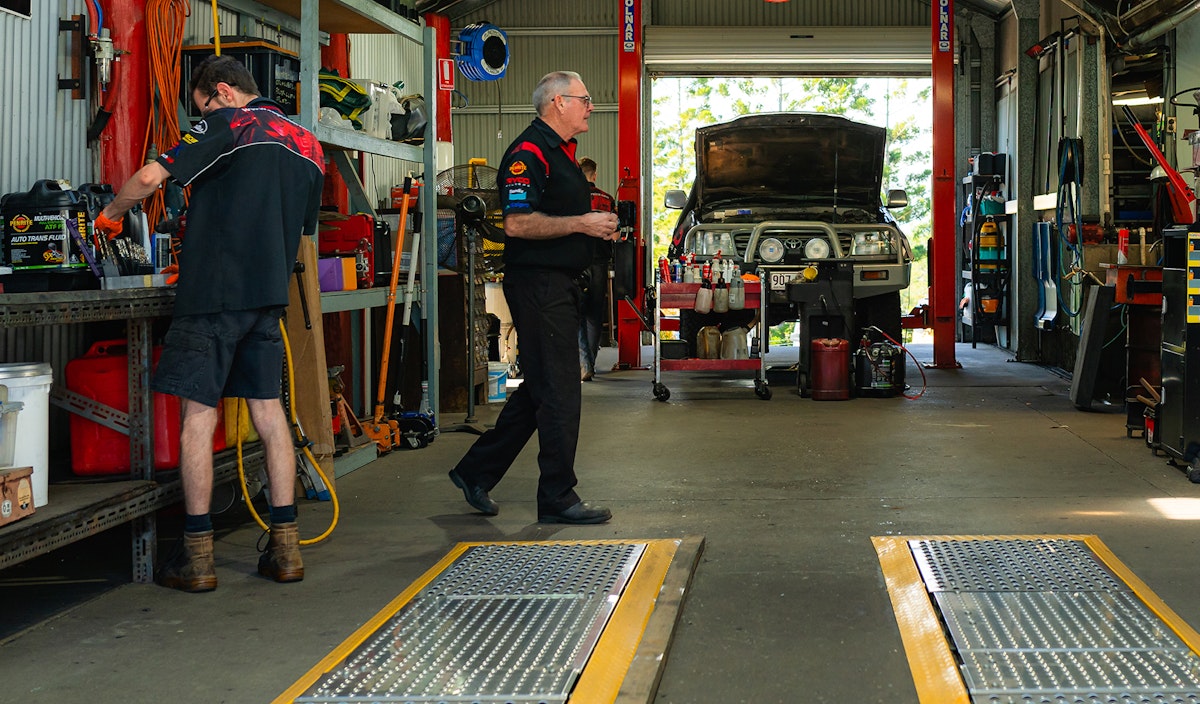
(109, 228)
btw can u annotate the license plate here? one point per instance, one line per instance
(778, 280)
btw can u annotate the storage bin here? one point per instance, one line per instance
(497, 382)
(30, 384)
(8, 431)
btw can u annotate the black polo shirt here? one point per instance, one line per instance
(539, 174)
(256, 180)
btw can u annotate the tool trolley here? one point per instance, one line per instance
(682, 296)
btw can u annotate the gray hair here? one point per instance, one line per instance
(552, 84)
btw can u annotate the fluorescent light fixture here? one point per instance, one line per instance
(1138, 101)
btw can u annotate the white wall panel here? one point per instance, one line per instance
(750, 13)
(387, 59)
(42, 129)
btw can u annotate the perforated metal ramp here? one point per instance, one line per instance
(496, 622)
(1039, 619)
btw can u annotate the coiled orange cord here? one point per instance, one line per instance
(165, 21)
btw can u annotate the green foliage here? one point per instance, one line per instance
(680, 105)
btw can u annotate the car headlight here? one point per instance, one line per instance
(817, 248)
(866, 244)
(770, 250)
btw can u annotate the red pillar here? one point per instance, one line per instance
(441, 25)
(336, 56)
(122, 139)
(629, 165)
(943, 252)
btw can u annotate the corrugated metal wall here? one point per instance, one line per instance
(387, 59)
(576, 36)
(199, 29)
(42, 129)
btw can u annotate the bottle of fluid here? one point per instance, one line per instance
(737, 293)
(720, 296)
(704, 297)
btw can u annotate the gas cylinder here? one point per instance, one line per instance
(830, 369)
(879, 370)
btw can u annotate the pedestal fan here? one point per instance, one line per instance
(470, 191)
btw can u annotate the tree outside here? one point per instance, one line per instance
(901, 105)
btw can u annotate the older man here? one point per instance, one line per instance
(551, 232)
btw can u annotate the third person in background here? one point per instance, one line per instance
(593, 311)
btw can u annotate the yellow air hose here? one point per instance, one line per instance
(242, 409)
(216, 29)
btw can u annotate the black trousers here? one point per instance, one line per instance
(545, 310)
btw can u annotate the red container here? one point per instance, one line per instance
(103, 375)
(830, 369)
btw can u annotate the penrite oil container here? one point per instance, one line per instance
(102, 374)
(36, 228)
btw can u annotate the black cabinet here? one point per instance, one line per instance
(1178, 419)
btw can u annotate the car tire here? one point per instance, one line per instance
(881, 311)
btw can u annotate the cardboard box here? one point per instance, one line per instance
(16, 494)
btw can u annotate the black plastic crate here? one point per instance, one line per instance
(275, 70)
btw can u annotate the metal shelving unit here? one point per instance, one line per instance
(78, 511)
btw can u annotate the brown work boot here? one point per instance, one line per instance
(191, 570)
(281, 560)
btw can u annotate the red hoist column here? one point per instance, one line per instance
(121, 141)
(629, 165)
(942, 253)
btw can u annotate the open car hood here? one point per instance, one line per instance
(811, 158)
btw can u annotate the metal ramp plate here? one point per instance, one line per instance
(502, 623)
(1043, 619)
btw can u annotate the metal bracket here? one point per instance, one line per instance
(89, 408)
(78, 30)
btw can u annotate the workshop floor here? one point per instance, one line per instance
(787, 603)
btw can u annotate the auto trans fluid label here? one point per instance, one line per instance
(40, 240)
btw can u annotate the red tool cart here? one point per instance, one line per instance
(682, 296)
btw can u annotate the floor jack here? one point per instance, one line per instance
(386, 431)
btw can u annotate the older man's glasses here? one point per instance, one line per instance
(587, 99)
(210, 99)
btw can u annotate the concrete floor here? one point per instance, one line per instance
(788, 601)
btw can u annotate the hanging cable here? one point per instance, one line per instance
(165, 21)
(1070, 195)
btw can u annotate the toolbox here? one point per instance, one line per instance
(16, 494)
(102, 374)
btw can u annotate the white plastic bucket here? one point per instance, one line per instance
(30, 384)
(497, 382)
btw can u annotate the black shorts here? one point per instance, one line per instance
(234, 354)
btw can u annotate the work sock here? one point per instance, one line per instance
(197, 524)
(283, 514)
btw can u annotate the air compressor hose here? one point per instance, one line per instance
(287, 351)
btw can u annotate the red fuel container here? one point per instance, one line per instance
(103, 375)
(830, 369)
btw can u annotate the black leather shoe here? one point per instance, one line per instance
(580, 513)
(476, 496)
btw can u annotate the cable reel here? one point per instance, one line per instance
(483, 52)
